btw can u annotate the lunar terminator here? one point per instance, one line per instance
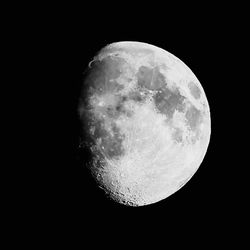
(145, 120)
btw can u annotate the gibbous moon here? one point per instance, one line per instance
(145, 122)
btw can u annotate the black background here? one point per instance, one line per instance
(68, 198)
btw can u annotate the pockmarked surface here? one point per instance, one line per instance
(146, 122)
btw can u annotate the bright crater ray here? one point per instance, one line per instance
(145, 120)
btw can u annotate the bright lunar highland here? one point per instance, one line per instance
(145, 122)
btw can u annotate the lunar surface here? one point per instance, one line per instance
(145, 122)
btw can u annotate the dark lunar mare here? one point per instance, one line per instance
(112, 144)
(116, 110)
(144, 77)
(150, 78)
(195, 91)
(167, 101)
(99, 79)
(102, 75)
(86, 143)
(193, 116)
(97, 142)
(138, 96)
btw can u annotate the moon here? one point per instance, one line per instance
(145, 121)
